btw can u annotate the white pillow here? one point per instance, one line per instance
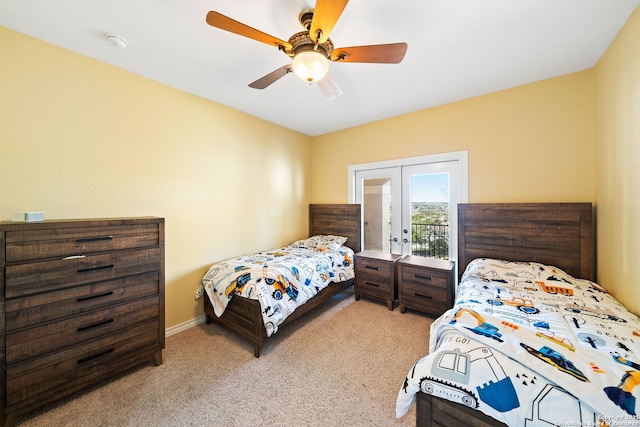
(322, 242)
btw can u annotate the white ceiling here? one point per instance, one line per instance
(457, 49)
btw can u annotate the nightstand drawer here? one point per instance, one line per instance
(424, 276)
(434, 299)
(373, 267)
(374, 286)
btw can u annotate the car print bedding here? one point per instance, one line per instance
(528, 344)
(281, 279)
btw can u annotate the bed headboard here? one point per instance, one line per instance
(559, 234)
(340, 220)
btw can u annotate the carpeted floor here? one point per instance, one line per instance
(340, 365)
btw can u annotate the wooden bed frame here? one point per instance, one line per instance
(559, 234)
(243, 316)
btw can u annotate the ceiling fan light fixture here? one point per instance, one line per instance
(310, 65)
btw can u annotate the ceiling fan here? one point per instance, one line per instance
(312, 49)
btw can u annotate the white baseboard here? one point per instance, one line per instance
(184, 326)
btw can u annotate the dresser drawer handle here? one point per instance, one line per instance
(370, 267)
(87, 298)
(423, 296)
(74, 257)
(373, 284)
(94, 239)
(95, 356)
(417, 276)
(99, 267)
(95, 325)
(106, 294)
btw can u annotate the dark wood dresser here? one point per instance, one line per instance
(80, 301)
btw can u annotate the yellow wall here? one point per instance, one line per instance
(533, 143)
(79, 138)
(617, 193)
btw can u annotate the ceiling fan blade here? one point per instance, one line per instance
(329, 87)
(392, 53)
(218, 20)
(325, 16)
(265, 81)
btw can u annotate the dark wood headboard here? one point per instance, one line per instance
(558, 234)
(337, 219)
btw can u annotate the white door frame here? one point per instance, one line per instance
(459, 157)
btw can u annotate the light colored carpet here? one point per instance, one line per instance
(340, 365)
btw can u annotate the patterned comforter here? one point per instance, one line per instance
(281, 279)
(530, 345)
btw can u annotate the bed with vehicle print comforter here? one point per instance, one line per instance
(528, 344)
(281, 279)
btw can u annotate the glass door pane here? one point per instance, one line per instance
(430, 199)
(429, 206)
(377, 214)
(378, 191)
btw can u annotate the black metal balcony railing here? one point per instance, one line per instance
(430, 240)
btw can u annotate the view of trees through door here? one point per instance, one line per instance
(429, 206)
(410, 206)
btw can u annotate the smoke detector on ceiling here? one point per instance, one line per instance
(116, 40)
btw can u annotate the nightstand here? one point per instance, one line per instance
(425, 284)
(375, 276)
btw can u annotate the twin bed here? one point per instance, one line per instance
(533, 343)
(531, 339)
(322, 269)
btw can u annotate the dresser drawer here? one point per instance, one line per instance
(45, 307)
(422, 276)
(30, 278)
(46, 338)
(28, 245)
(91, 359)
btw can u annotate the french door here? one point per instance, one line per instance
(410, 205)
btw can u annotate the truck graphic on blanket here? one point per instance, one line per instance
(453, 367)
(522, 304)
(595, 311)
(483, 328)
(557, 360)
